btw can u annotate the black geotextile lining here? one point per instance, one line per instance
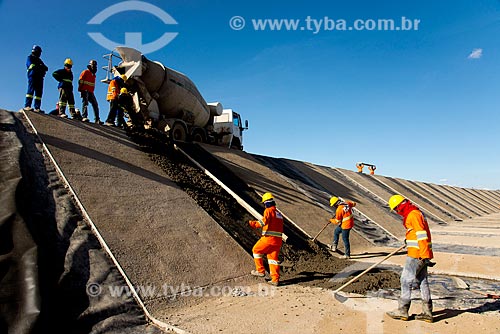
(48, 255)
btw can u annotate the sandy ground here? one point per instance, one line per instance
(298, 309)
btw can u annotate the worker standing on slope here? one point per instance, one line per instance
(125, 105)
(360, 167)
(36, 72)
(270, 242)
(66, 98)
(372, 169)
(86, 87)
(345, 222)
(112, 97)
(418, 241)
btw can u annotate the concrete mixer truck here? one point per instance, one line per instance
(169, 101)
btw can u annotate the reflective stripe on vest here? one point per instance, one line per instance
(421, 235)
(86, 83)
(347, 218)
(271, 234)
(412, 244)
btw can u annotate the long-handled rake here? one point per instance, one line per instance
(342, 298)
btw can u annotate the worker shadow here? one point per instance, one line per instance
(451, 313)
(108, 132)
(104, 158)
(306, 276)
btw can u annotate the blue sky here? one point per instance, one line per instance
(420, 104)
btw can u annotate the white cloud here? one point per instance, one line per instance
(476, 54)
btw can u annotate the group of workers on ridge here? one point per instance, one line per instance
(121, 102)
(417, 240)
(361, 165)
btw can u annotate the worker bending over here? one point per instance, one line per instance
(270, 242)
(345, 222)
(418, 241)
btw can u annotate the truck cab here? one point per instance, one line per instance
(230, 128)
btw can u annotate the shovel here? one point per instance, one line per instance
(341, 298)
(317, 235)
(461, 284)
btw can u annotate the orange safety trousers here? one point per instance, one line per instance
(271, 247)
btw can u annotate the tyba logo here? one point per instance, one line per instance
(133, 39)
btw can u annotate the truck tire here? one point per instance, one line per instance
(199, 136)
(236, 144)
(178, 132)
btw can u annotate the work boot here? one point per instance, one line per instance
(426, 314)
(28, 109)
(98, 121)
(273, 283)
(333, 247)
(401, 313)
(257, 273)
(86, 120)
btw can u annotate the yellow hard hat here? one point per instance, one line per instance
(395, 200)
(267, 197)
(123, 91)
(333, 200)
(68, 61)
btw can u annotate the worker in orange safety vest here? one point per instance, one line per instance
(270, 242)
(372, 169)
(419, 244)
(360, 167)
(86, 87)
(114, 87)
(345, 222)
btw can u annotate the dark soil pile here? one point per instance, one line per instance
(306, 262)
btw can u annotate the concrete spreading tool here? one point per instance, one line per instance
(461, 284)
(342, 298)
(317, 235)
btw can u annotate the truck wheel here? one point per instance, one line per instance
(178, 132)
(199, 136)
(236, 144)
